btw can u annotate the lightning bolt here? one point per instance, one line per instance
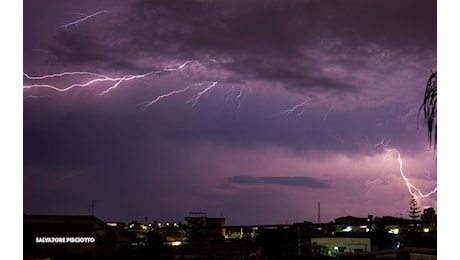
(96, 78)
(147, 104)
(194, 100)
(61, 74)
(84, 18)
(235, 95)
(239, 96)
(327, 113)
(287, 112)
(413, 190)
(428, 175)
(239, 100)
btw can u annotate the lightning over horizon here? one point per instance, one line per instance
(413, 190)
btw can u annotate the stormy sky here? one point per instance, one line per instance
(251, 110)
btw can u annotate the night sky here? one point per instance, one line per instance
(255, 111)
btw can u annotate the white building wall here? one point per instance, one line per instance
(343, 244)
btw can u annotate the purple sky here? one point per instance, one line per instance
(250, 110)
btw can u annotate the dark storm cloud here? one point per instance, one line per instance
(291, 42)
(287, 181)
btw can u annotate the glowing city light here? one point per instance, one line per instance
(394, 231)
(347, 229)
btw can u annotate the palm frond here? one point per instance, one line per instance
(429, 108)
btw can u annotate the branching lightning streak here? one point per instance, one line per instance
(99, 78)
(290, 110)
(149, 103)
(427, 174)
(414, 191)
(197, 97)
(62, 74)
(237, 96)
(239, 99)
(327, 113)
(84, 18)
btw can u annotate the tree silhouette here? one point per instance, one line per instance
(414, 210)
(429, 108)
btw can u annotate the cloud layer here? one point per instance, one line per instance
(288, 181)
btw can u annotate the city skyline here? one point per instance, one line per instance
(253, 111)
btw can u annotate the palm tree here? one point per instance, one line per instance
(429, 108)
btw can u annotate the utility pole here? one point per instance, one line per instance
(298, 241)
(319, 213)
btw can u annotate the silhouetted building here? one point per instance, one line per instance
(403, 253)
(335, 245)
(61, 237)
(204, 229)
(429, 217)
(389, 220)
(349, 220)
